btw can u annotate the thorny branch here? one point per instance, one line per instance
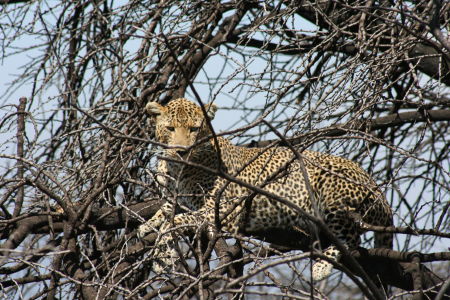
(368, 80)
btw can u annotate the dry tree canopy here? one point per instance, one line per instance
(367, 80)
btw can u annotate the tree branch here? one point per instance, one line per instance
(389, 121)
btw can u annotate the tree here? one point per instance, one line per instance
(368, 80)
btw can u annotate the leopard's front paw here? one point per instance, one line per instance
(151, 225)
(144, 229)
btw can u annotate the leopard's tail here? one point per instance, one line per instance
(385, 239)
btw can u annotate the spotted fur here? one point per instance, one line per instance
(340, 186)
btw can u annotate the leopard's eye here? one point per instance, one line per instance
(194, 129)
(170, 128)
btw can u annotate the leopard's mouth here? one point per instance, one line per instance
(179, 153)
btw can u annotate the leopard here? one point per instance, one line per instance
(215, 180)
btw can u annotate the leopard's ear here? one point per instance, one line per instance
(154, 108)
(211, 109)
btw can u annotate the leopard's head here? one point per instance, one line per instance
(180, 124)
